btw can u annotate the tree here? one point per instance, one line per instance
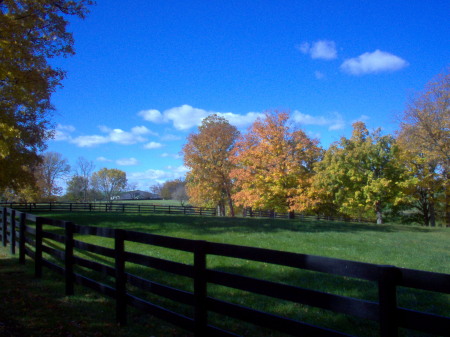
(180, 193)
(84, 170)
(426, 120)
(207, 154)
(156, 189)
(52, 168)
(274, 165)
(361, 175)
(109, 182)
(169, 187)
(32, 32)
(76, 189)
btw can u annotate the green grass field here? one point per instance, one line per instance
(402, 246)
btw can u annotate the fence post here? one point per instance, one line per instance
(12, 232)
(387, 293)
(68, 257)
(38, 248)
(22, 221)
(121, 295)
(200, 289)
(4, 226)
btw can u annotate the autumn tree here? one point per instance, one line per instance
(207, 154)
(425, 134)
(52, 169)
(274, 165)
(32, 32)
(361, 175)
(109, 182)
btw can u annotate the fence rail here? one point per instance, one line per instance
(33, 237)
(164, 209)
(109, 207)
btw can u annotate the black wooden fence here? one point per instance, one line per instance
(109, 207)
(162, 209)
(29, 233)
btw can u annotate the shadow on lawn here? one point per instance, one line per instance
(155, 223)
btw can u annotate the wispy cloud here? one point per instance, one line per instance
(63, 132)
(321, 49)
(172, 155)
(127, 161)
(334, 121)
(371, 63)
(319, 75)
(103, 159)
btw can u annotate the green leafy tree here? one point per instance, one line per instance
(76, 189)
(361, 175)
(109, 182)
(206, 154)
(32, 32)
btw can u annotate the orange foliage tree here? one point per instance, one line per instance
(274, 165)
(206, 154)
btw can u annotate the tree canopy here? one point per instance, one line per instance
(109, 182)
(425, 137)
(274, 165)
(361, 175)
(32, 32)
(207, 154)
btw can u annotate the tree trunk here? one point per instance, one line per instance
(230, 201)
(447, 198)
(432, 214)
(379, 213)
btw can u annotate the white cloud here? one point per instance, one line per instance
(127, 162)
(118, 136)
(176, 156)
(170, 137)
(152, 145)
(334, 122)
(62, 132)
(152, 115)
(186, 117)
(321, 49)
(319, 75)
(152, 176)
(375, 62)
(88, 141)
(241, 121)
(103, 159)
(362, 118)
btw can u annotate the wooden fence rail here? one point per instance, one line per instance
(164, 209)
(35, 239)
(109, 207)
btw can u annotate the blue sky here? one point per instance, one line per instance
(147, 72)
